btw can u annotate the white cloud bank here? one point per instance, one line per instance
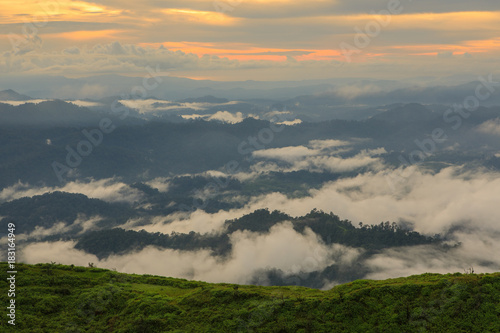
(282, 248)
(109, 190)
(433, 203)
(82, 223)
(33, 101)
(320, 155)
(491, 127)
(145, 106)
(478, 250)
(459, 203)
(223, 116)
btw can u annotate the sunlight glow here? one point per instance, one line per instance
(204, 17)
(86, 35)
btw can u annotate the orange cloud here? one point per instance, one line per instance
(321, 55)
(474, 46)
(482, 45)
(206, 17)
(60, 10)
(86, 35)
(452, 21)
(245, 52)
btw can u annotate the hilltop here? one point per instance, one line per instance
(58, 298)
(11, 95)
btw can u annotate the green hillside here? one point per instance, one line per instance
(58, 298)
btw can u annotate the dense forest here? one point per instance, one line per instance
(328, 226)
(59, 213)
(109, 237)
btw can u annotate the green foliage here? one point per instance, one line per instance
(116, 241)
(259, 221)
(334, 230)
(330, 227)
(77, 299)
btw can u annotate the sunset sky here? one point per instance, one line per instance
(257, 40)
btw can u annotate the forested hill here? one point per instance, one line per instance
(57, 298)
(328, 226)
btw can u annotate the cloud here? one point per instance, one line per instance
(60, 252)
(424, 6)
(156, 106)
(491, 127)
(40, 232)
(72, 50)
(431, 202)
(475, 251)
(227, 117)
(320, 157)
(364, 159)
(445, 54)
(223, 116)
(108, 190)
(459, 204)
(288, 154)
(119, 58)
(33, 101)
(80, 91)
(82, 224)
(162, 184)
(279, 53)
(198, 221)
(290, 122)
(351, 92)
(86, 104)
(325, 144)
(282, 248)
(197, 16)
(130, 58)
(207, 48)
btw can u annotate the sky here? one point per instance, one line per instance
(268, 40)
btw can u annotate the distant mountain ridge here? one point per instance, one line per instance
(56, 113)
(408, 113)
(205, 99)
(11, 95)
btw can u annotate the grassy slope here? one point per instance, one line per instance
(57, 298)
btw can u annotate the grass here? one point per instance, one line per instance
(59, 298)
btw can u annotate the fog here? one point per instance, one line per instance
(223, 116)
(431, 202)
(318, 156)
(82, 224)
(490, 127)
(282, 248)
(455, 202)
(110, 190)
(478, 250)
